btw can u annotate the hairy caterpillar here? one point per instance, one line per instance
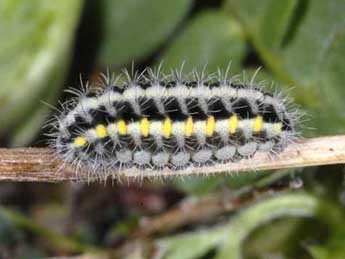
(153, 121)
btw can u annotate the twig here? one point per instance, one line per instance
(201, 210)
(41, 164)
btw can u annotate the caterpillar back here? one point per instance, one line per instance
(171, 122)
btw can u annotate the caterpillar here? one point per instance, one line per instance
(155, 121)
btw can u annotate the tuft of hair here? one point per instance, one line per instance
(155, 121)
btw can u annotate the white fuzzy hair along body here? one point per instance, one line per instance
(153, 121)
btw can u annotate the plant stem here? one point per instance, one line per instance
(42, 165)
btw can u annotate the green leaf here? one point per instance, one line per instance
(268, 19)
(329, 84)
(213, 39)
(275, 24)
(314, 39)
(265, 242)
(318, 252)
(332, 250)
(35, 42)
(286, 205)
(192, 245)
(230, 237)
(9, 234)
(133, 29)
(310, 56)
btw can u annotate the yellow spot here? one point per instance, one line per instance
(258, 123)
(145, 127)
(101, 131)
(122, 127)
(277, 127)
(167, 127)
(189, 126)
(80, 141)
(233, 121)
(210, 125)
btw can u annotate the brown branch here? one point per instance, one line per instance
(200, 210)
(40, 164)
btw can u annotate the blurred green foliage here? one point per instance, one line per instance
(35, 42)
(299, 44)
(302, 44)
(134, 29)
(297, 48)
(212, 38)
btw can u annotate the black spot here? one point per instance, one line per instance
(213, 85)
(243, 86)
(191, 143)
(286, 124)
(169, 84)
(191, 84)
(117, 89)
(126, 142)
(169, 144)
(243, 109)
(215, 140)
(108, 145)
(238, 137)
(91, 94)
(238, 86)
(145, 85)
(217, 109)
(259, 105)
(101, 116)
(81, 122)
(126, 112)
(149, 144)
(260, 136)
(78, 126)
(173, 110)
(194, 109)
(269, 114)
(149, 109)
